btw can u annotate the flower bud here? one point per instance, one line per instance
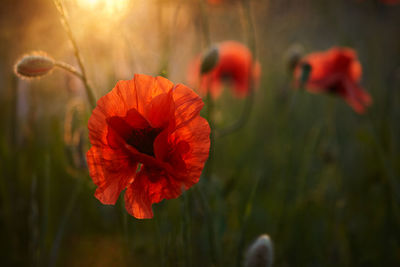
(260, 253)
(293, 56)
(305, 73)
(34, 65)
(210, 60)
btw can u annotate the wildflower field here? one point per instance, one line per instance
(200, 133)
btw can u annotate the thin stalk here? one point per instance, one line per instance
(389, 179)
(246, 216)
(310, 147)
(251, 40)
(210, 101)
(160, 241)
(125, 231)
(208, 167)
(210, 118)
(186, 230)
(210, 225)
(244, 117)
(34, 244)
(45, 206)
(63, 224)
(69, 68)
(67, 28)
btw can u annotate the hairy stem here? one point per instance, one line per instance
(83, 76)
(69, 68)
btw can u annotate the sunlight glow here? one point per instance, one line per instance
(106, 7)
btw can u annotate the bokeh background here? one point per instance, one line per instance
(320, 179)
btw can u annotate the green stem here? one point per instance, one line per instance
(67, 28)
(69, 68)
(248, 106)
(246, 216)
(210, 118)
(186, 231)
(389, 179)
(160, 240)
(63, 224)
(210, 225)
(209, 164)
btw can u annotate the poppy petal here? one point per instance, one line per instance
(160, 110)
(187, 105)
(356, 97)
(147, 88)
(161, 146)
(355, 71)
(114, 103)
(111, 170)
(145, 190)
(196, 134)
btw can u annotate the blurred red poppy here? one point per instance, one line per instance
(336, 71)
(147, 136)
(233, 67)
(214, 2)
(219, 2)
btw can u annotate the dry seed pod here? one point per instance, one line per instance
(260, 253)
(34, 65)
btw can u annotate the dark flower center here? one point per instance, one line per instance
(337, 87)
(143, 139)
(137, 133)
(226, 76)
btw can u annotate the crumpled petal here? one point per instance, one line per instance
(111, 170)
(197, 135)
(187, 105)
(147, 189)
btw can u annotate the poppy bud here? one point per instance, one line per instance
(34, 65)
(293, 56)
(260, 253)
(305, 73)
(210, 60)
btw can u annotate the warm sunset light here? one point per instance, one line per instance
(191, 133)
(104, 6)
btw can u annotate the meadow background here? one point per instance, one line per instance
(320, 179)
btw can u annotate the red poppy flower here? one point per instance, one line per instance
(232, 67)
(147, 136)
(336, 71)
